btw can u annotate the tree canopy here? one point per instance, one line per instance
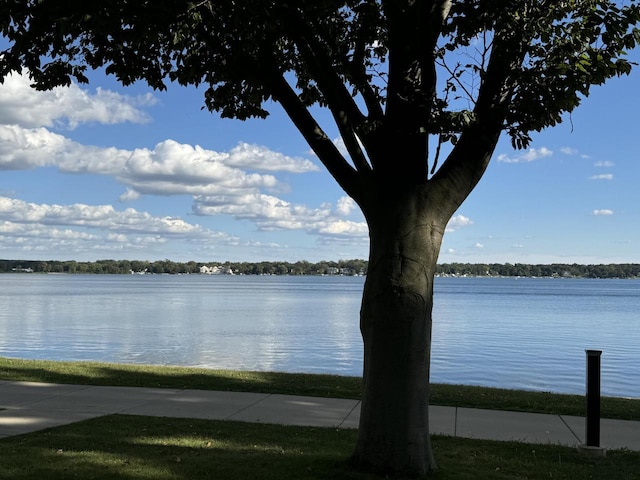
(386, 70)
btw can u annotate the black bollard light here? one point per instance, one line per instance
(593, 398)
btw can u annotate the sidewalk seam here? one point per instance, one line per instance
(348, 414)
(230, 417)
(570, 429)
(455, 422)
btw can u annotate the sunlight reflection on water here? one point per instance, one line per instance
(513, 333)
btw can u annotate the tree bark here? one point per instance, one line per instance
(406, 232)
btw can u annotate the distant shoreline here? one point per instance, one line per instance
(356, 267)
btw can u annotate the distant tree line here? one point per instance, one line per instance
(342, 267)
(626, 270)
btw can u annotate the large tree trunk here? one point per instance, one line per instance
(395, 321)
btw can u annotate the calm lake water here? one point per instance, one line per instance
(515, 333)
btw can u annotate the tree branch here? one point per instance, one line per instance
(453, 76)
(321, 66)
(331, 158)
(353, 146)
(370, 98)
(469, 159)
(359, 74)
(413, 29)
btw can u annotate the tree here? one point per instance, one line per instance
(389, 73)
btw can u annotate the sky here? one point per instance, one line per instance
(101, 171)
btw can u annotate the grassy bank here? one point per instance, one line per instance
(91, 373)
(145, 448)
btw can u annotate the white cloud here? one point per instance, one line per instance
(129, 195)
(606, 164)
(267, 211)
(457, 222)
(23, 149)
(241, 177)
(271, 213)
(529, 156)
(603, 176)
(170, 168)
(255, 157)
(84, 230)
(67, 107)
(569, 150)
(345, 205)
(342, 228)
(174, 168)
(341, 146)
(603, 211)
(18, 214)
(29, 230)
(118, 237)
(479, 245)
(29, 238)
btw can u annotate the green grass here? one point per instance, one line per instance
(527, 401)
(91, 373)
(146, 448)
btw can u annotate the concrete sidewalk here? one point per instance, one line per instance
(27, 407)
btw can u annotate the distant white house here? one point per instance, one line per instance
(215, 270)
(206, 270)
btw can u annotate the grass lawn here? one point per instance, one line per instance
(141, 448)
(146, 448)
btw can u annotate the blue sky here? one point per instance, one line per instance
(102, 171)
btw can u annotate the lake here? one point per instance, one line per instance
(528, 333)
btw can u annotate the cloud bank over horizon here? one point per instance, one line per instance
(248, 182)
(245, 177)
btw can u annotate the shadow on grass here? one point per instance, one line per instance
(90, 373)
(129, 447)
(141, 448)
